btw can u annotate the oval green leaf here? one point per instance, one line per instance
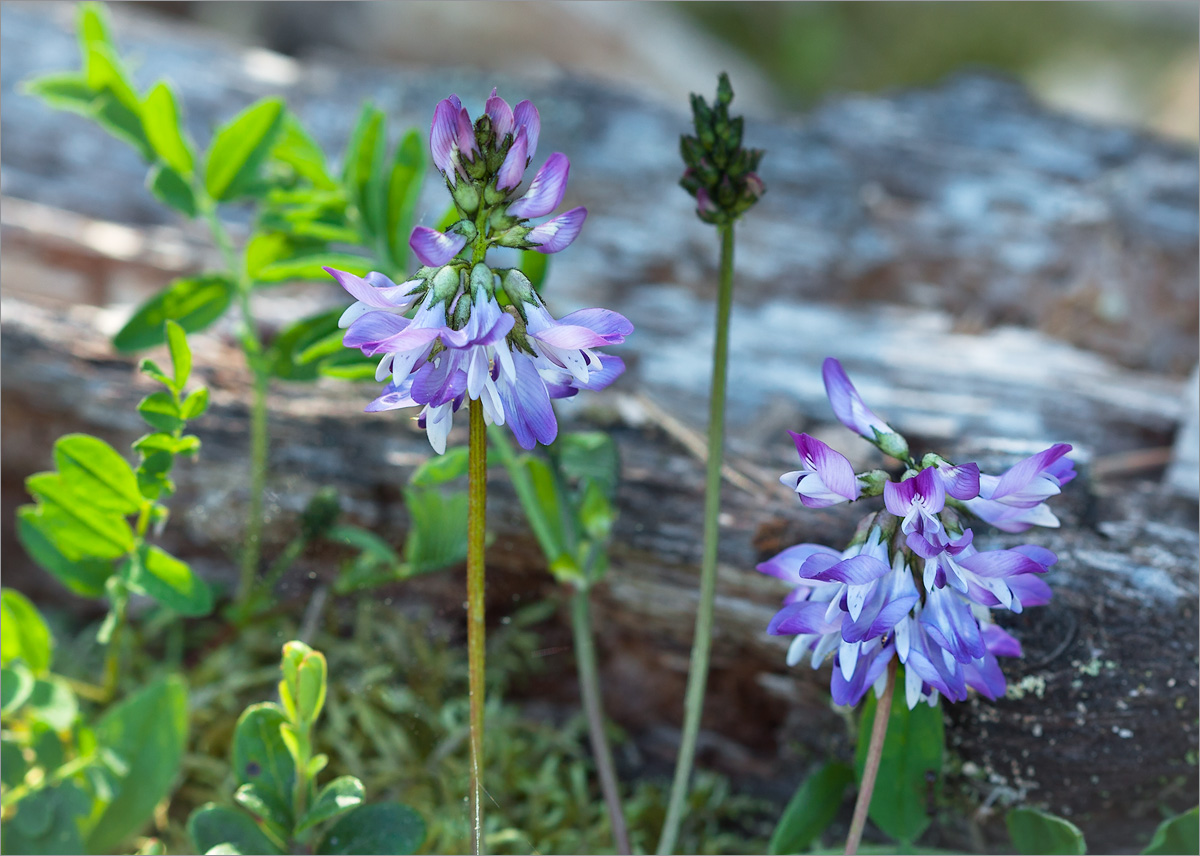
(381, 828)
(181, 354)
(83, 576)
(157, 573)
(240, 147)
(77, 528)
(172, 190)
(23, 633)
(312, 268)
(1033, 831)
(96, 472)
(194, 302)
(212, 825)
(335, 799)
(261, 758)
(161, 412)
(160, 115)
(16, 686)
(1178, 834)
(148, 732)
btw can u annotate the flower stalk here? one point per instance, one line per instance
(883, 713)
(702, 641)
(720, 174)
(476, 651)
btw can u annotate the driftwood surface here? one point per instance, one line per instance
(995, 277)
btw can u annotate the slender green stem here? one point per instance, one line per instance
(883, 712)
(259, 436)
(476, 528)
(589, 685)
(702, 643)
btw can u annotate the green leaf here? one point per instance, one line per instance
(81, 575)
(16, 686)
(212, 825)
(363, 170)
(335, 799)
(151, 370)
(64, 91)
(437, 537)
(294, 339)
(195, 404)
(153, 479)
(589, 456)
(353, 369)
(94, 27)
(298, 150)
(47, 821)
(403, 195)
(78, 528)
(533, 482)
(181, 354)
(194, 302)
(23, 633)
(159, 441)
(148, 732)
(441, 469)
(912, 751)
(1178, 834)
(364, 541)
(172, 190)
(240, 147)
(1033, 831)
(155, 572)
(261, 758)
(96, 471)
(160, 115)
(116, 105)
(596, 513)
(161, 412)
(380, 828)
(13, 765)
(53, 703)
(312, 268)
(536, 266)
(811, 809)
(265, 808)
(323, 349)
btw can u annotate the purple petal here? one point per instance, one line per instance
(611, 368)
(435, 248)
(998, 564)
(786, 564)
(985, 677)
(866, 672)
(961, 482)
(1030, 590)
(526, 117)
(806, 617)
(442, 134)
(393, 398)
(436, 385)
(856, 570)
(557, 234)
(1041, 555)
(613, 326)
(1000, 643)
(949, 622)
(898, 496)
(1021, 475)
(527, 406)
(546, 190)
(369, 331)
(834, 468)
(847, 404)
(375, 290)
(513, 169)
(501, 115)
(818, 563)
(466, 134)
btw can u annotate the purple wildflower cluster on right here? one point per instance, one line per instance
(912, 585)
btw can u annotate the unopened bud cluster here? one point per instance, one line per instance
(720, 172)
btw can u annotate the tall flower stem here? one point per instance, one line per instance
(589, 683)
(883, 713)
(702, 642)
(476, 528)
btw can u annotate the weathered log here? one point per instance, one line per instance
(1018, 216)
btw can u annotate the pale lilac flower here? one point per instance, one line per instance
(848, 405)
(557, 233)
(826, 478)
(1016, 500)
(545, 192)
(569, 343)
(375, 292)
(435, 248)
(918, 501)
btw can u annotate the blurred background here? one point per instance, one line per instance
(1125, 62)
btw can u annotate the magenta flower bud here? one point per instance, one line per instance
(513, 169)
(526, 117)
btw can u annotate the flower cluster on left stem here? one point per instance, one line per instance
(460, 329)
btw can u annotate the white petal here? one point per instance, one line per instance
(799, 648)
(353, 312)
(856, 596)
(848, 657)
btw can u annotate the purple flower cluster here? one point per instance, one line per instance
(912, 585)
(444, 335)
